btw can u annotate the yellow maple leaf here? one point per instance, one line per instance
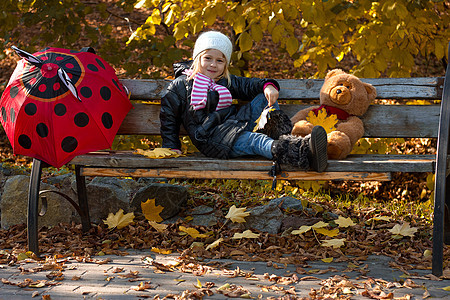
(335, 243)
(193, 232)
(331, 233)
(403, 230)
(151, 211)
(214, 244)
(344, 222)
(319, 224)
(327, 260)
(119, 220)
(327, 122)
(301, 230)
(248, 234)
(158, 153)
(159, 227)
(236, 215)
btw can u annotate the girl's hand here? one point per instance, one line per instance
(271, 94)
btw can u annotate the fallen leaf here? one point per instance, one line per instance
(403, 230)
(331, 233)
(214, 244)
(159, 227)
(236, 215)
(344, 222)
(151, 211)
(327, 260)
(335, 243)
(158, 153)
(119, 220)
(161, 251)
(301, 230)
(193, 232)
(320, 224)
(248, 234)
(322, 118)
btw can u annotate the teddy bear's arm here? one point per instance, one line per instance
(353, 128)
(301, 126)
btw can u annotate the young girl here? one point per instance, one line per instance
(201, 97)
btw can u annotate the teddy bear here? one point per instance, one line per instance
(345, 98)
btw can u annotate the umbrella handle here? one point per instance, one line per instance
(28, 57)
(68, 83)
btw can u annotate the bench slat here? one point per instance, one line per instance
(200, 164)
(254, 175)
(420, 121)
(308, 89)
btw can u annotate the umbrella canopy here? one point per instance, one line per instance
(61, 103)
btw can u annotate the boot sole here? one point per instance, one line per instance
(318, 144)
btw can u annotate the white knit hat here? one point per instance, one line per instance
(213, 40)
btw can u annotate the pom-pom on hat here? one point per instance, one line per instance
(213, 40)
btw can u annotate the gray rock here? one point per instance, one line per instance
(288, 203)
(172, 198)
(266, 218)
(14, 204)
(204, 216)
(109, 195)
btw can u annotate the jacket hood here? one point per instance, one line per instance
(180, 67)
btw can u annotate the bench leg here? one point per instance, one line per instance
(82, 200)
(33, 202)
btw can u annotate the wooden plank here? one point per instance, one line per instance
(120, 172)
(307, 89)
(362, 163)
(380, 121)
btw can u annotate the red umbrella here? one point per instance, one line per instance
(61, 103)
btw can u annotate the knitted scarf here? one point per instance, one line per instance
(203, 84)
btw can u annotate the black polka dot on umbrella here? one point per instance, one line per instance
(116, 84)
(107, 120)
(12, 115)
(42, 130)
(92, 67)
(4, 114)
(13, 91)
(69, 144)
(81, 119)
(60, 109)
(30, 109)
(24, 141)
(105, 92)
(86, 92)
(100, 63)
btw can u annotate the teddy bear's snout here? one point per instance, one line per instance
(340, 95)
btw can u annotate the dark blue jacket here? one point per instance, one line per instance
(212, 132)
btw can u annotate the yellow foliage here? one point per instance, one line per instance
(151, 211)
(214, 244)
(327, 122)
(193, 232)
(119, 220)
(335, 243)
(157, 226)
(158, 153)
(248, 234)
(403, 230)
(344, 222)
(236, 215)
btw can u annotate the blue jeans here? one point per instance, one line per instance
(254, 143)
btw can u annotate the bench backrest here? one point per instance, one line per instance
(381, 120)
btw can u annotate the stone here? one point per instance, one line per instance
(14, 204)
(266, 218)
(108, 195)
(204, 215)
(288, 203)
(172, 198)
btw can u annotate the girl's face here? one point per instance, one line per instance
(212, 63)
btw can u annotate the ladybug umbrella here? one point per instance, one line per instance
(61, 103)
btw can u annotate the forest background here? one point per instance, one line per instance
(277, 39)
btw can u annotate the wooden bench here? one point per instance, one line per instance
(381, 121)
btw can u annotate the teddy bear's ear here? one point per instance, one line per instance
(334, 72)
(371, 91)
